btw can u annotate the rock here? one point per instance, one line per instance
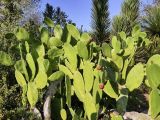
(136, 116)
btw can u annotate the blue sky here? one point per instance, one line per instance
(79, 11)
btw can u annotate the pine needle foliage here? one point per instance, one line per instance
(130, 10)
(151, 25)
(56, 15)
(151, 21)
(128, 17)
(100, 21)
(119, 23)
(49, 11)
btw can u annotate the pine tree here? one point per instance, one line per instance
(57, 15)
(60, 17)
(151, 19)
(100, 21)
(157, 2)
(151, 25)
(49, 11)
(129, 17)
(119, 23)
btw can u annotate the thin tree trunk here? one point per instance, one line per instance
(37, 113)
(47, 104)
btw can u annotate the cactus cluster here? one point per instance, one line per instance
(152, 71)
(118, 60)
(88, 72)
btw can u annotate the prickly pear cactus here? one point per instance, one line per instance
(122, 74)
(153, 74)
(90, 74)
(32, 79)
